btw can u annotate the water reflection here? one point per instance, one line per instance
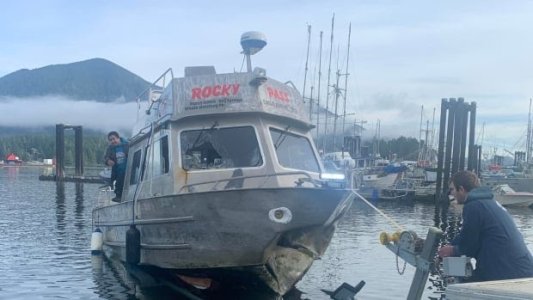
(60, 207)
(111, 281)
(116, 280)
(448, 219)
(80, 221)
(12, 172)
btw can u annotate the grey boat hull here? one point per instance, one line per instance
(271, 236)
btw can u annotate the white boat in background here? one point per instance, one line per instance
(381, 183)
(508, 197)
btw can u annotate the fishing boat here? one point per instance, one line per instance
(508, 197)
(382, 182)
(223, 181)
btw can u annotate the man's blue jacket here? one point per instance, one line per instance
(490, 235)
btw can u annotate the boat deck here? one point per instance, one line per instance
(500, 289)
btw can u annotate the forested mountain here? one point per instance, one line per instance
(94, 79)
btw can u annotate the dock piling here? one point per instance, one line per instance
(60, 150)
(457, 130)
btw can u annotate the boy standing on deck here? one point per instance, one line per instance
(488, 234)
(116, 156)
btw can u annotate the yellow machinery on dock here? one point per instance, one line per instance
(418, 252)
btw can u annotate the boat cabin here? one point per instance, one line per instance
(209, 131)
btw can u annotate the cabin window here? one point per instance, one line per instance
(218, 148)
(159, 158)
(294, 151)
(135, 167)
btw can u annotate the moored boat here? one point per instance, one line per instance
(508, 197)
(224, 182)
(12, 160)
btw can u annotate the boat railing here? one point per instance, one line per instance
(154, 95)
(299, 182)
(154, 91)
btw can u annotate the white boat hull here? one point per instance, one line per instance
(213, 234)
(515, 200)
(508, 197)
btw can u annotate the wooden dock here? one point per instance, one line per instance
(85, 179)
(516, 289)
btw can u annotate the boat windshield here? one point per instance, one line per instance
(294, 151)
(219, 148)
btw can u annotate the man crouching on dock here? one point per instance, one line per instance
(488, 234)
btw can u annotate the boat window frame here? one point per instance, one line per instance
(227, 126)
(163, 169)
(288, 132)
(136, 165)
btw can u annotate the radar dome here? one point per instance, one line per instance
(252, 42)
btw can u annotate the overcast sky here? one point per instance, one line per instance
(403, 54)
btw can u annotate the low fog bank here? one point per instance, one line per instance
(48, 111)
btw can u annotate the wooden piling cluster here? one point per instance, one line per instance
(78, 158)
(457, 131)
(60, 150)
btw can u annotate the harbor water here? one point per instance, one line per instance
(45, 232)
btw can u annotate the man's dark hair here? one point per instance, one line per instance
(467, 179)
(113, 133)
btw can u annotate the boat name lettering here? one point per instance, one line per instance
(213, 104)
(277, 94)
(278, 105)
(219, 90)
(208, 102)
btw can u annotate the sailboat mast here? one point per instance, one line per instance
(432, 131)
(319, 83)
(329, 76)
(337, 93)
(346, 79)
(378, 134)
(482, 134)
(420, 134)
(528, 146)
(426, 144)
(306, 69)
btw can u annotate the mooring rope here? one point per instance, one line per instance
(394, 223)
